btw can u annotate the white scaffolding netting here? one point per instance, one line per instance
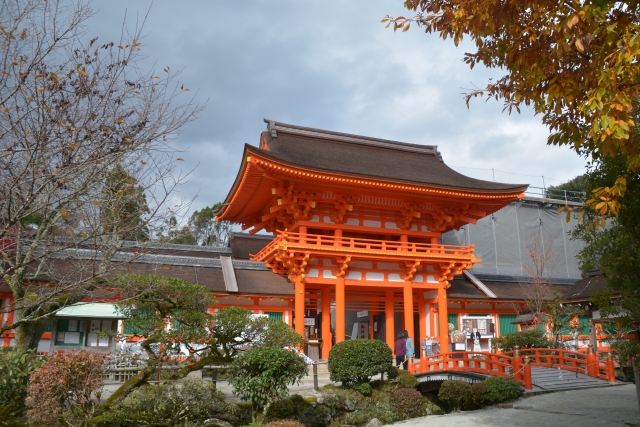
(503, 241)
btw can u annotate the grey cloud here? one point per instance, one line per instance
(329, 65)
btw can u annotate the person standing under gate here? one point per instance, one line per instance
(409, 344)
(400, 350)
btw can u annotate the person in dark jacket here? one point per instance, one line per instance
(400, 350)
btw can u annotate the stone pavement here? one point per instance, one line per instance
(593, 407)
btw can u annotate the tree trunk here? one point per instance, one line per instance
(635, 362)
(28, 334)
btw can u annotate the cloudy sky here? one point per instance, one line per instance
(329, 65)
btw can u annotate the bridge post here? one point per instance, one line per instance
(528, 381)
(592, 367)
(611, 370)
(516, 363)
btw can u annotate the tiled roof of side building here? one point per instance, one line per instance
(367, 157)
(244, 245)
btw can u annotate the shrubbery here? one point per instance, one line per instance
(171, 404)
(64, 385)
(284, 423)
(364, 388)
(500, 389)
(356, 361)
(455, 393)
(478, 396)
(15, 368)
(531, 338)
(298, 409)
(407, 403)
(407, 380)
(262, 374)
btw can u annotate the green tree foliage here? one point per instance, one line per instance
(16, 366)
(209, 339)
(172, 233)
(531, 338)
(206, 230)
(125, 205)
(573, 190)
(614, 249)
(356, 361)
(262, 374)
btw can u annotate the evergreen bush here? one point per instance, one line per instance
(407, 403)
(478, 396)
(407, 380)
(189, 403)
(455, 393)
(15, 368)
(364, 388)
(356, 361)
(531, 338)
(284, 423)
(501, 389)
(261, 375)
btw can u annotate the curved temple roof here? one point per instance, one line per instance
(369, 157)
(334, 155)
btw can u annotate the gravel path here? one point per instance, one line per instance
(595, 407)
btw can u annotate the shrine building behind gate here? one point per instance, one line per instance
(358, 223)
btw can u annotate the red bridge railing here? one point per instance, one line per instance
(517, 364)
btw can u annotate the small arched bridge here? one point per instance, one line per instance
(542, 368)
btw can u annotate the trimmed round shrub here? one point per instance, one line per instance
(455, 393)
(478, 396)
(356, 361)
(284, 423)
(501, 389)
(407, 380)
(407, 403)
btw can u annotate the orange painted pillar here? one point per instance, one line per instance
(407, 293)
(516, 363)
(299, 305)
(326, 322)
(528, 381)
(302, 230)
(389, 323)
(443, 319)
(340, 308)
(337, 233)
(611, 370)
(592, 362)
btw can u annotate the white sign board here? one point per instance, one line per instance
(309, 321)
(362, 313)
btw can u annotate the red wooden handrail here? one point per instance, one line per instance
(568, 360)
(284, 239)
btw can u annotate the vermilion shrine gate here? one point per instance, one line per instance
(358, 223)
